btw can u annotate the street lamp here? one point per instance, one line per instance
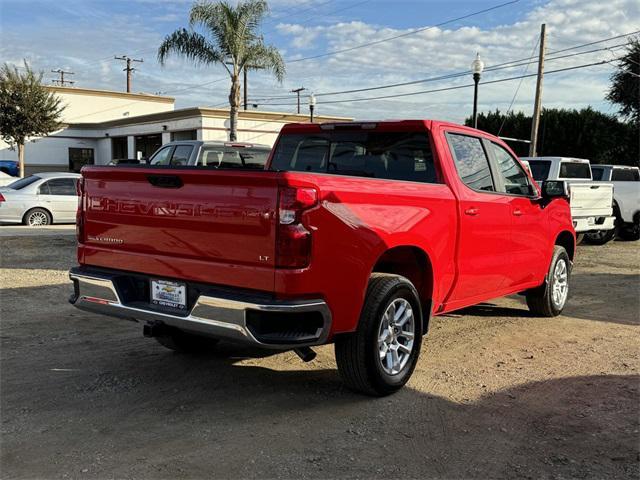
(477, 66)
(312, 105)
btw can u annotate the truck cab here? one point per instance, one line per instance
(626, 197)
(211, 154)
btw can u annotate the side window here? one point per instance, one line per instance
(471, 161)
(43, 189)
(60, 186)
(597, 173)
(162, 157)
(181, 155)
(515, 180)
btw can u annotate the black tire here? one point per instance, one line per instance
(630, 232)
(35, 215)
(184, 342)
(358, 353)
(600, 237)
(579, 238)
(541, 300)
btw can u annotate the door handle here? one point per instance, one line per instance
(517, 212)
(472, 211)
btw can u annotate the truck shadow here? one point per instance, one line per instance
(168, 416)
(586, 300)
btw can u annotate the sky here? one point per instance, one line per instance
(83, 36)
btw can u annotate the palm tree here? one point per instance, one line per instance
(231, 40)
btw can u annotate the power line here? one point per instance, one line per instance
(457, 87)
(406, 34)
(129, 69)
(61, 81)
(493, 68)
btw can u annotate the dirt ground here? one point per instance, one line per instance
(497, 393)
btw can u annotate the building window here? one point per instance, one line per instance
(147, 144)
(184, 135)
(119, 149)
(79, 157)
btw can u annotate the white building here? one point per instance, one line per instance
(100, 126)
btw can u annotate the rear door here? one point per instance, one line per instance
(208, 226)
(58, 195)
(485, 224)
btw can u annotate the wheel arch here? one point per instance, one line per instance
(413, 263)
(567, 240)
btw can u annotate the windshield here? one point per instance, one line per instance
(540, 169)
(23, 182)
(392, 155)
(575, 170)
(223, 157)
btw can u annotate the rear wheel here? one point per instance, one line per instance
(630, 231)
(37, 217)
(184, 342)
(380, 356)
(549, 299)
(600, 237)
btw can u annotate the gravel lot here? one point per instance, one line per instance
(497, 393)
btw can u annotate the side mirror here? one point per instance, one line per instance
(554, 189)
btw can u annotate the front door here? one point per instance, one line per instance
(528, 238)
(79, 157)
(485, 224)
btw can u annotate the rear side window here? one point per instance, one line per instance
(540, 169)
(597, 173)
(59, 186)
(387, 155)
(181, 154)
(471, 162)
(575, 170)
(625, 175)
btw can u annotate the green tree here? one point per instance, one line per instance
(231, 39)
(625, 82)
(584, 133)
(27, 108)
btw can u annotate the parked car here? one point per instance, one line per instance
(218, 155)
(40, 199)
(10, 167)
(626, 197)
(591, 202)
(6, 179)
(355, 234)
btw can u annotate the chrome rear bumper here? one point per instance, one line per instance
(220, 315)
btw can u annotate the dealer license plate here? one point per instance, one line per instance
(169, 294)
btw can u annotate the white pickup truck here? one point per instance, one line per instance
(591, 202)
(626, 197)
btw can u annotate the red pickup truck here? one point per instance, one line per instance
(355, 234)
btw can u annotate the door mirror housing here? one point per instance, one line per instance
(554, 189)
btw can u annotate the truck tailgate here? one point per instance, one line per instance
(208, 226)
(589, 199)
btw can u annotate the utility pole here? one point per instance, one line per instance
(533, 147)
(297, 91)
(61, 81)
(129, 69)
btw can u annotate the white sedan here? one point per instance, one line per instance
(41, 199)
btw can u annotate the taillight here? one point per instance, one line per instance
(1, 198)
(80, 210)
(294, 240)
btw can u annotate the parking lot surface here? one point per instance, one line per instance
(496, 394)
